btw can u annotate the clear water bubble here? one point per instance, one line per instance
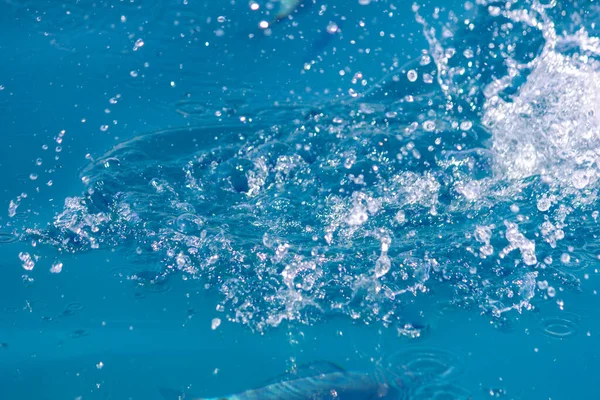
(382, 266)
(412, 75)
(332, 28)
(544, 203)
(429, 126)
(466, 125)
(57, 267)
(139, 43)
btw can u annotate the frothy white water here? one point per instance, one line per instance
(551, 127)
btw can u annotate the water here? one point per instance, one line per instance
(198, 205)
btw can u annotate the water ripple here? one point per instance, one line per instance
(424, 364)
(442, 391)
(6, 238)
(561, 326)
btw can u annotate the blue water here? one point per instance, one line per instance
(196, 205)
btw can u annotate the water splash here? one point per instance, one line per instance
(456, 174)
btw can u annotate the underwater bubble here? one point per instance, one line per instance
(412, 75)
(332, 28)
(413, 331)
(466, 125)
(580, 179)
(429, 126)
(400, 217)
(111, 163)
(56, 267)
(189, 223)
(544, 203)
(150, 282)
(121, 273)
(495, 393)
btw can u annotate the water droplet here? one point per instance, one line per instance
(400, 217)
(138, 44)
(466, 125)
(543, 204)
(332, 28)
(189, 223)
(412, 75)
(382, 266)
(27, 261)
(56, 267)
(429, 126)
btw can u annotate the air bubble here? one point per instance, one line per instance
(189, 223)
(429, 126)
(543, 204)
(56, 267)
(412, 75)
(466, 125)
(332, 28)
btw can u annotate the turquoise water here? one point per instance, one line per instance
(203, 201)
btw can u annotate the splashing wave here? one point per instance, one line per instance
(464, 173)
